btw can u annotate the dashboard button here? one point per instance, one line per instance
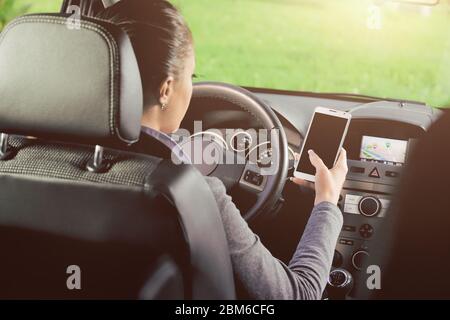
(375, 173)
(366, 231)
(346, 242)
(349, 228)
(352, 199)
(351, 208)
(253, 178)
(358, 170)
(392, 174)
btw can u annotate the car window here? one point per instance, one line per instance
(383, 48)
(386, 48)
(9, 9)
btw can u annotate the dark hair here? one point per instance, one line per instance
(160, 37)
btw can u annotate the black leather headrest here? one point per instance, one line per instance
(65, 83)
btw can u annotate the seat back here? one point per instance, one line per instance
(54, 215)
(81, 217)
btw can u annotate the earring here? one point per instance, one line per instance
(163, 106)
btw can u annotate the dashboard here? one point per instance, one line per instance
(379, 142)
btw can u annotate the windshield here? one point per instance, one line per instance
(382, 48)
(379, 48)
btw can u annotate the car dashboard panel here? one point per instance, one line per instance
(379, 141)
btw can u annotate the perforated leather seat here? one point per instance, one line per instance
(74, 196)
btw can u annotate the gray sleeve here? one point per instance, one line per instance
(266, 277)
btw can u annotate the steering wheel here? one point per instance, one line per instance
(212, 97)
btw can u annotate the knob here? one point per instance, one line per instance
(340, 283)
(359, 259)
(369, 206)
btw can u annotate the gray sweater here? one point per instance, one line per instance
(266, 277)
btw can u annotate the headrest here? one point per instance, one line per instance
(67, 82)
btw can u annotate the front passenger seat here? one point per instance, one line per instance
(80, 217)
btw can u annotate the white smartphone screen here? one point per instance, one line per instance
(325, 136)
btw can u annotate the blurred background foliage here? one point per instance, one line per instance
(9, 9)
(381, 48)
(373, 47)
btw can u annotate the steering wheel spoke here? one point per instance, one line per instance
(248, 179)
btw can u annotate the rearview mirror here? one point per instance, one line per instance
(419, 2)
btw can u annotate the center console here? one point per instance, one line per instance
(375, 168)
(364, 203)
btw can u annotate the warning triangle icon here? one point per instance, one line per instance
(374, 173)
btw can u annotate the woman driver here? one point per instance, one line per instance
(165, 52)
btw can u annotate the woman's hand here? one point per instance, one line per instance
(329, 182)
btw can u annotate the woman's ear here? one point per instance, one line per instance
(165, 90)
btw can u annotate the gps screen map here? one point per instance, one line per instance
(383, 150)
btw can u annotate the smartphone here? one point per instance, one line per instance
(326, 135)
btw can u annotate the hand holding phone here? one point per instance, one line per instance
(321, 147)
(328, 182)
(326, 135)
